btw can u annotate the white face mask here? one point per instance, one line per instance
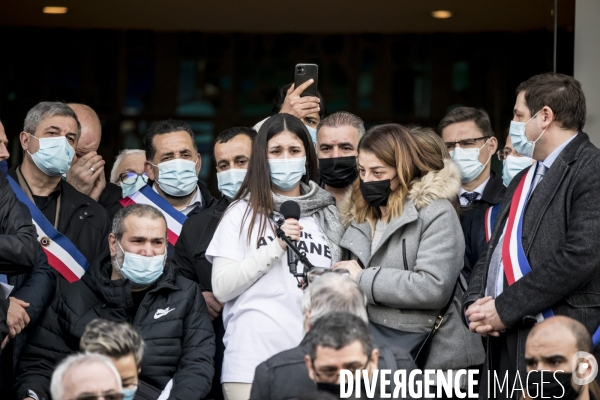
(512, 166)
(177, 177)
(230, 181)
(468, 162)
(521, 144)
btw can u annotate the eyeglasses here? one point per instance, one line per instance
(316, 272)
(333, 374)
(129, 178)
(465, 143)
(105, 396)
(505, 152)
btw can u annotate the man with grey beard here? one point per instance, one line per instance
(134, 283)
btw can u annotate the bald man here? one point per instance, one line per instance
(87, 170)
(551, 346)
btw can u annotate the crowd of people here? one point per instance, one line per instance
(413, 253)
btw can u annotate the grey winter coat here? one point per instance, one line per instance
(412, 272)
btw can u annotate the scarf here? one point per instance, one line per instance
(318, 203)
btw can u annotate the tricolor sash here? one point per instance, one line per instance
(175, 218)
(62, 255)
(514, 259)
(490, 220)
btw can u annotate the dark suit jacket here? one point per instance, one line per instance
(472, 222)
(561, 229)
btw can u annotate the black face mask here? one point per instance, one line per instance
(338, 172)
(333, 388)
(376, 193)
(551, 387)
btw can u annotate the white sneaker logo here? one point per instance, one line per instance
(161, 313)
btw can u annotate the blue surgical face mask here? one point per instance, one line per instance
(129, 394)
(54, 156)
(468, 162)
(313, 133)
(142, 270)
(287, 172)
(130, 188)
(512, 166)
(520, 143)
(177, 177)
(230, 181)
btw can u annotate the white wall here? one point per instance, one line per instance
(587, 61)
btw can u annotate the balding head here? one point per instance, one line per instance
(552, 344)
(91, 130)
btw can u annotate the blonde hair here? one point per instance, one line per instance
(395, 146)
(428, 138)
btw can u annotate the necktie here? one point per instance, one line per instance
(471, 197)
(539, 174)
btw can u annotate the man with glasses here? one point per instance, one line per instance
(328, 295)
(467, 133)
(512, 161)
(340, 341)
(128, 171)
(86, 377)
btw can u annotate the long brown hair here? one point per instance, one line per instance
(394, 145)
(257, 184)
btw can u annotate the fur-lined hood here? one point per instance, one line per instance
(436, 185)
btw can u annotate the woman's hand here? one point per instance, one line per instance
(352, 267)
(298, 106)
(292, 229)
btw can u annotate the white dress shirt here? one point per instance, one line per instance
(195, 201)
(464, 202)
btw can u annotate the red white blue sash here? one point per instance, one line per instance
(514, 259)
(175, 218)
(490, 220)
(62, 255)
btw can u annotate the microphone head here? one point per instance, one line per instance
(290, 209)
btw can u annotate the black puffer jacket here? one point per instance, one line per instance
(180, 343)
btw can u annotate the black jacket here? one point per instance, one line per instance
(190, 258)
(109, 199)
(18, 237)
(18, 243)
(81, 220)
(472, 222)
(196, 234)
(36, 288)
(561, 227)
(180, 345)
(285, 376)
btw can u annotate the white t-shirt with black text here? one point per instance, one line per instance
(267, 318)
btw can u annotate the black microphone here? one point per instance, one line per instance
(291, 209)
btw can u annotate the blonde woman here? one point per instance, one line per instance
(406, 245)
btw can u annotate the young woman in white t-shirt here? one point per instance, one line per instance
(262, 313)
